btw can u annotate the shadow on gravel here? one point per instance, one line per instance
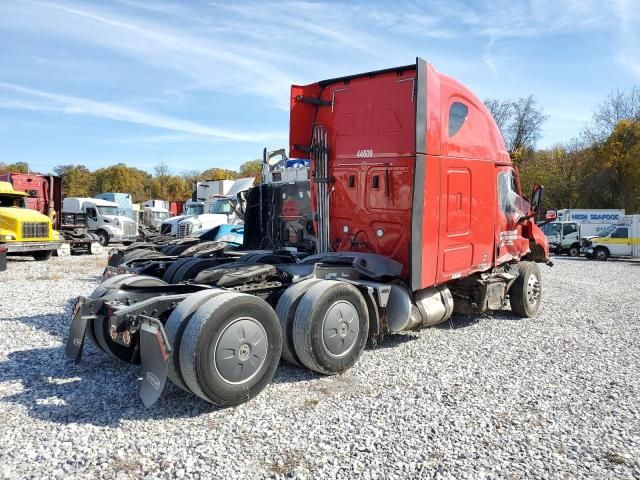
(458, 321)
(52, 323)
(56, 324)
(395, 339)
(100, 391)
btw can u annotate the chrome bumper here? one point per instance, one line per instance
(19, 247)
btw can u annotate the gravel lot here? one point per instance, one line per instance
(557, 396)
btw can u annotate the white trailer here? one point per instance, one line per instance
(157, 204)
(211, 188)
(571, 226)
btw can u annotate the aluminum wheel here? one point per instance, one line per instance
(241, 350)
(533, 289)
(340, 328)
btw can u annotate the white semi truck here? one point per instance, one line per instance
(102, 218)
(217, 210)
(170, 225)
(620, 240)
(565, 234)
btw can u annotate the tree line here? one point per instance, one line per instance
(600, 168)
(79, 181)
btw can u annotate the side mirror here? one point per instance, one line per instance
(536, 197)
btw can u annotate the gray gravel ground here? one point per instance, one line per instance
(557, 396)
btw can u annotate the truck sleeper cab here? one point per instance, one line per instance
(416, 213)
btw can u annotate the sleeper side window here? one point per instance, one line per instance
(457, 115)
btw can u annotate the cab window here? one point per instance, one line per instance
(569, 228)
(11, 201)
(620, 232)
(510, 201)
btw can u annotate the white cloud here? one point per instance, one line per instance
(38, 100)
(628, 54)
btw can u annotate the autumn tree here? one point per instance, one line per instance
(18, 167)
(121, 178)
(77, 180)
(217, 174)
(252, 168)
(613, 180)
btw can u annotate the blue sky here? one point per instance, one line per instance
(199, 84)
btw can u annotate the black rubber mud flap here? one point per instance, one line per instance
(154, 355)
(77, 331)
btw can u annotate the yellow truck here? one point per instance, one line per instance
(24, 231)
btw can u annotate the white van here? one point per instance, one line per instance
(622, 240)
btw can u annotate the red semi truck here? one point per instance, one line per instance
(417, 213)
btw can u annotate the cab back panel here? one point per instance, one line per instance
(371, 139)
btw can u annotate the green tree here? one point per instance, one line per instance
(18, 167)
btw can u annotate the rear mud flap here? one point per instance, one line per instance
(154, 355)
(77, 331)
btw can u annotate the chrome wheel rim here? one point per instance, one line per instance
(533, 289)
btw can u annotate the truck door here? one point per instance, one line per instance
(620, 243)
(510, 243)
(92, 218)
(569, 235)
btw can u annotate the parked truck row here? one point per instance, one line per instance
(86, 225)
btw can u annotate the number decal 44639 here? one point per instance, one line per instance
(365, 153)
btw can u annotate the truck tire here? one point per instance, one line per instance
(174, 328)
(135, 254)
(100, 324)
(525, 294)
(601, 254)
(173, 269)
(331, 327)
(286, 311)
(104, 237)
(42, 256)
(230, 349)
(100, 291)
(574, 251)
(189, 270)
(109, 284)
